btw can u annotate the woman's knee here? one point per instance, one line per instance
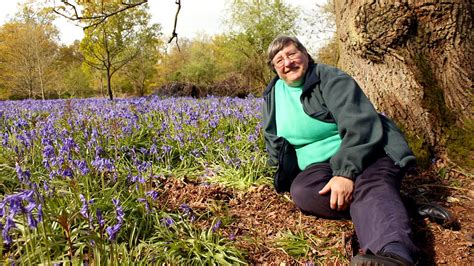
(308, 200)
(300, 193)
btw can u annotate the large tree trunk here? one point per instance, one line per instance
(414, 59)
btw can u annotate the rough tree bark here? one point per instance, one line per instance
(414, 59)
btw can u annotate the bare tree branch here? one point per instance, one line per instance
(95, 19)
(175, 34)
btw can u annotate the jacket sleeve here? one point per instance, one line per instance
(358, 124)
(272, 141)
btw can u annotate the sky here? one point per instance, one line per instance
(196, 17)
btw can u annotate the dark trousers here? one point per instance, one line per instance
(377, 210)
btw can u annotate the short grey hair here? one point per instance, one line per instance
(280, 42)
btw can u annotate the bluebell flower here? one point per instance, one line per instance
(23, 176)
(147, 206)
(143, 166)
(188, 212)
(134, 178)
(26, 138)
(31, 220)
(2, 208)
(118, 210)
(98, 151)
(252, 138)
(196, 153)
(5, 139)
(144, 150)
(82, 166)
(113, 230)
(46, 164)
(168, 221)
(186, 209)
(9, 224)
(153, 194)
(166, 148)
(40, 212)
(69, 145)
(85, 207)
(31, 205)
(100, 218)
(21, 123)
(153, 149)
(48, 151)
(216, 226)
(103, 164)
(68, 173)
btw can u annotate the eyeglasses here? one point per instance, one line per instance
(280, 60)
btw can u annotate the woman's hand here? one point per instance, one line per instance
(341, 192)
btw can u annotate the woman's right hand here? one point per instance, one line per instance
(341, 189)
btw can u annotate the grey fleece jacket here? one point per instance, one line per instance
(331, 95)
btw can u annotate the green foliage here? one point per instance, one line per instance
(194, 62)
(329, 54)
(76, 82)
(421, 149)
(72, 79)
(460, 145)
(182, 243)
(313, 248)
(296, 245)
(254, 24)
(433, 99)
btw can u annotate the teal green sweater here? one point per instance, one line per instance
(314, 140)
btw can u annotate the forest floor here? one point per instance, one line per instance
(272, 231)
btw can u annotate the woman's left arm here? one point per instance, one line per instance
(358, 124)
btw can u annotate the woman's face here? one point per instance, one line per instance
(291, 65)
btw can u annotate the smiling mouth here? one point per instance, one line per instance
(291, 70)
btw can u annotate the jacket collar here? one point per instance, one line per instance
(310, 79)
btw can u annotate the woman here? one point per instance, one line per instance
(335, 154)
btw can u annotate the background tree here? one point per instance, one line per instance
(73, 79)
(141, 69)
(414, 60)
(28, 50)
(321, 20)
(169, 67)
(115, 42)
(253, 25)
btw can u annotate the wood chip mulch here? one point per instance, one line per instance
(257, 218)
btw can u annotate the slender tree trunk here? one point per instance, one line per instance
(109, 84)
(414, 59)
(40, 77)
(38, 61)
(101, 88)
